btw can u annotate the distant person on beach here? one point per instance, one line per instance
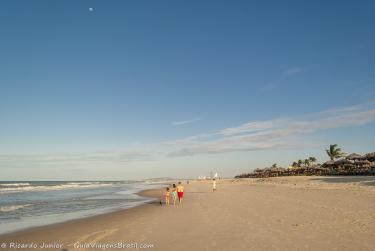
(174, 194)
(180, 192)
(167, 196)
(214, 185)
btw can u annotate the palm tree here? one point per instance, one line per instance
(295, 164)
(312, 159)
(306, 162)
(334, 152)
(299, 163)
(274, 165)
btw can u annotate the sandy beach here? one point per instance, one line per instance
(285, 213)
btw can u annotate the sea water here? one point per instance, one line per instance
(34, 203)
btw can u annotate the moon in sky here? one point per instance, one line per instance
(91, 9)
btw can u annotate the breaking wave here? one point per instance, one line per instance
(22, 187)
(13, 207)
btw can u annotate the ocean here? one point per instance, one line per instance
(34, 203)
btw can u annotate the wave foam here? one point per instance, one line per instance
(15, 184)
(13, 207)
(70, 185)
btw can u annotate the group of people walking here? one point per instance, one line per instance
(177, 192)
(174, 193)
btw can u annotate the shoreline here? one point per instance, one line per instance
(147, 193)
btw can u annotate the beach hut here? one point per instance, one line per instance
(370, 156)
(343, 161)
(353, 156)
(329, 163)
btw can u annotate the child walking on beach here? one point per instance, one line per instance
(167, 196)
(214, 185)
(174, 194)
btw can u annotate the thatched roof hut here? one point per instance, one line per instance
(319, 168)
(353, 156)
(343, 161)
(329, 163)
(370, 156)
(362, 162)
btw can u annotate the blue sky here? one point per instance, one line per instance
(139, 89)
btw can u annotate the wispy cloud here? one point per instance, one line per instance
(279, 133)
(184, 122)
(248, 127)
(276, 134)
(293, 71)
(76, 158)
(284, 75)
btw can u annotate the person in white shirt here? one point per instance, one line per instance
(214, 185)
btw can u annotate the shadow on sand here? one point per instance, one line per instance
(363, 180)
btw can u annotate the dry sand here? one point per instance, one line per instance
(287, 213)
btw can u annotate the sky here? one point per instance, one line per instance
(116, 90)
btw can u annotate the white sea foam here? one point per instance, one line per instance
(70, 185)
(85, 183)
(15, 184)
(13, 207)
